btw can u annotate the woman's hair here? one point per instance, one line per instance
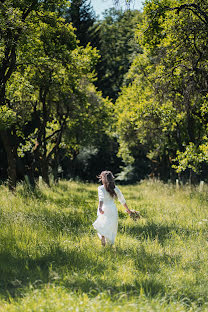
(108, 181)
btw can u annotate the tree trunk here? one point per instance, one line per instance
(2, 93)
(44, 171)
(192, 177)
(190, 126)
(29, 170)
(55, 170)
(11, 152)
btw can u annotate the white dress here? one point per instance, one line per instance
(107, 224)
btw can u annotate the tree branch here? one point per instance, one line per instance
(51, 135)
(58, 140)
(27, 11)
(191, 7)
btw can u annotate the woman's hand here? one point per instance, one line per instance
(127, 209)
(100, 207)
(101, 211)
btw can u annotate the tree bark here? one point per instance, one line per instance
(11, 151)
(44, 171)
(29, 170)
(42, 164)
(55, 168)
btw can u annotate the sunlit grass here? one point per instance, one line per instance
(51, 258)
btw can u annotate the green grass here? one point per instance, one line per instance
(51, 258)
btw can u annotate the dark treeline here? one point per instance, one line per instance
(127, 92)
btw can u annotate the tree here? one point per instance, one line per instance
(171, 80)
(88, 141)
(56, 71)
(16, 20)
(42, 82)
(81, 15)
(117, 48)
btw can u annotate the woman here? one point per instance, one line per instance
(107, 221)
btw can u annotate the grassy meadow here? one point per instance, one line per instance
(51, 258)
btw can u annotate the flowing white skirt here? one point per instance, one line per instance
(107, 224)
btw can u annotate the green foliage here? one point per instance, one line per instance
(81, 15)
(51, 88)
(192, 157)
(51, 258)
(164, 105)
(20, 22)
(114, 38)
(7, 117)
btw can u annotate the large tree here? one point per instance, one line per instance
(80, 13)
(168, 85)
(42, 72)
(114, 38)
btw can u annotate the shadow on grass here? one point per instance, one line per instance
(74, 269)
(58, 195)
(36, 193)
(18, 273)
(85, 273)
(63, 222)
(147, 262)
(147, 231)
(151, 287)
(154, 231)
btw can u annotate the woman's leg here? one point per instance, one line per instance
(103, 240)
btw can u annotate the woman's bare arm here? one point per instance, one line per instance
(127, 209)
(100, 207)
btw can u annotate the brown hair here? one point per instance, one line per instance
(108, 181)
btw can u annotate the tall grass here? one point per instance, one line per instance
(51, 258)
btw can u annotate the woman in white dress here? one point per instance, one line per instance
(106, 223)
